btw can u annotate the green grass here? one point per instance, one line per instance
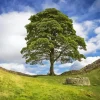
(17, 87)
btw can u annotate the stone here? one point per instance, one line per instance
(78, 81)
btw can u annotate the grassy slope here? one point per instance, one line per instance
(16, 87)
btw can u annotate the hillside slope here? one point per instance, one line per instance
(18, 87)
(86, 69)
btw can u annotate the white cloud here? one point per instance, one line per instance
(64, 65)
(27, 9)
(91, 48)
(89, 25)
(12, 34)
(82, 29)
(16, 67)
(57, 72)
(85, 29)
(50, 4)
(93, 44)
(97, 30)
(78, 65)
(25, 68)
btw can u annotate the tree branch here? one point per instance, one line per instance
(59, 54)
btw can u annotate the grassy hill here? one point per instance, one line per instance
(19, 87)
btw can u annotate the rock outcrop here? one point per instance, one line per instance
(78, 81)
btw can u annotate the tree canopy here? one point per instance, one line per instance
(51, 36)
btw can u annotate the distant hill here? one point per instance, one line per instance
(88, 68)
(14, 72)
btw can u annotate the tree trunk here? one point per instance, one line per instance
(52, 62)
(52, 69)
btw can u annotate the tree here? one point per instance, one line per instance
(50, 36)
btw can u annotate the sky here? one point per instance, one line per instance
(14, 15)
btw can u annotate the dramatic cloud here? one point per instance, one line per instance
(12, 34)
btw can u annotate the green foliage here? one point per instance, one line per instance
(50, 32)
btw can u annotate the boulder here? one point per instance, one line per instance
(78, 81)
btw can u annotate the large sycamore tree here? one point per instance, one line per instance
(50, 36)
